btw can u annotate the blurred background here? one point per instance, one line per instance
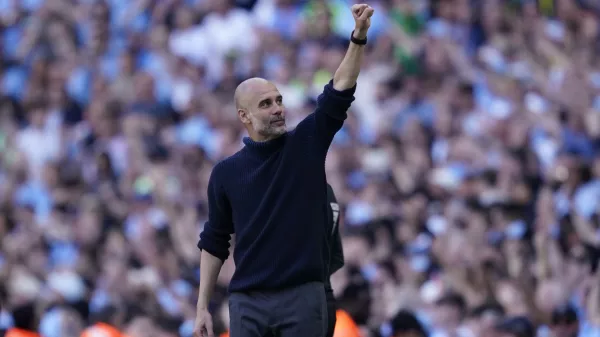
(468, 170)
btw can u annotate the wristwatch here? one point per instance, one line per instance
(360, 42)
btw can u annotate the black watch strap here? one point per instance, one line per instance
(360, 42)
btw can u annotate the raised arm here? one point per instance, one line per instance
(347, 73)
(338, 95)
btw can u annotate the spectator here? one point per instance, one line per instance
(565, 322)
(25, 321)
(406, 324)
(106, 321)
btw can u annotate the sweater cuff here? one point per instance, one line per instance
(219, 254)
(214, 245)
(336, 103)
(348, 93)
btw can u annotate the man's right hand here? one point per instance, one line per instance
(203, 327)
(362, 19)
(211, 265)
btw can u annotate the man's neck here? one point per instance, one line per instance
(261, 138)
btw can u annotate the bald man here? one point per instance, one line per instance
(273, 195)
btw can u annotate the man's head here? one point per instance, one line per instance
(25, 317)
(111, 314)
(565, 322)
(450, 310)
(260, 107)
(406, 324)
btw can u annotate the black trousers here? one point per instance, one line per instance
(296, 312)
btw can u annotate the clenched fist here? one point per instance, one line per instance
(362, 19)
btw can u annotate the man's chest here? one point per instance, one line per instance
(274, 182)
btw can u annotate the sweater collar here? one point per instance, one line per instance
(265, 147)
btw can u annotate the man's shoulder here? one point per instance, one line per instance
(228, 163)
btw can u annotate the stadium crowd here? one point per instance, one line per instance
(469, 170)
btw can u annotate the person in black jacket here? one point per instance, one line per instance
(336, 256)
(272, 195)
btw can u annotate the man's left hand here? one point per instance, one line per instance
(362, 19)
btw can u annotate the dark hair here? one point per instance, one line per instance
(454, 300)
(105, 315)
(490, 307)
(356, 298)
(405, 321)
(25, 317)
(564, 315)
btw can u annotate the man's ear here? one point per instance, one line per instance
(243, 116)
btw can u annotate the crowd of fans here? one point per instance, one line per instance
(468, 171)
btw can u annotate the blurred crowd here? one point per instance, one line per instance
(468, 170)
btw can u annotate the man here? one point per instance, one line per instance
(272, 195)
(336, 257)
(450, 311)
(106, 323)
(565, 322)
(25, 321)
(336, 261)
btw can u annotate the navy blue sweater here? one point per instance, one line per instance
(273, 196)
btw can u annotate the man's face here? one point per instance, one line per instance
(265, 113)
(448, 315)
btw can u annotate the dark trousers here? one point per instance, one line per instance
(296, 312)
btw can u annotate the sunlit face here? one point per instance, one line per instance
(265, 114)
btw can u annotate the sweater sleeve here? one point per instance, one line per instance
(330, 114)
(217, 231)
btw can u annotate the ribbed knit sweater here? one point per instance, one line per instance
(273, 196)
